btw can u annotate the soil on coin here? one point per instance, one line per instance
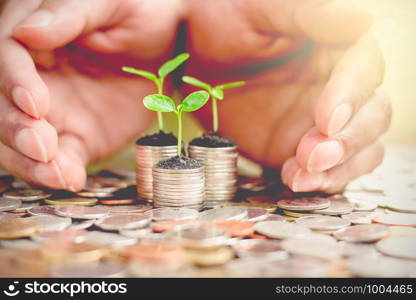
(212, 140)
(158, 139)
(178, 163)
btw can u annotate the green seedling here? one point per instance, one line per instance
(167, 68)
(162, 103)
(216, 93)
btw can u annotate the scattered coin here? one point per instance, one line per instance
(173, 214)
(352, 249)
(17, 228)
(66, 235)
(235, 228)
(314, 245)
(71, 252)
(7, 204)
(224, 213)
(128, 209)
(401, 247)
(358, 217)
(26, 195)
(400, 219)
(281, 230)
(24, 207)
(84, 224)
(91, 270)
(362, 233)
(256, 214)
(129, 221)
(156, 253)
(364, 205)
(136, 233)
(402, 231)
(274, 217)
(109, 239)
(213, 257)
(246, 267)
(82, 212)
(403, 206)
(378, 266)
(325, 223)
(304, 203)
(337, 206)
(42, 210)
(297, 266)
(72, 202)
(163, 226)
(266, 249)
(51, 223)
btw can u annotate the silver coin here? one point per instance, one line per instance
(97, 184)
(281, 230)
(402, 247)
(402, 206)
(362, 233)
(136, 233)
(109, 239)
(266, 249)
(224, 213)
(91, 270)
(256, 214)
(358, 217)
(69, 235)
(297, 266)
(173, 214)
(364, 205)
(313, 245)
(325, 223)
(304, 203)
(337, 206)
(378, 266)
(116, 222)
(82, 212)
(82, 224)
(51, 223)
(21, 244)
(198, 236)
(26, 195)
(352, 249)
(392, 218)
(251, 267)
(7, 204)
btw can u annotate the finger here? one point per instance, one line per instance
(58, 22)
(321, 21)
(316, 152)
(63, 172)
(358, 73)
(20, 81)
(36, 139)
(335, 179)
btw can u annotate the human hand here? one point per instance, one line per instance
(317, 115)
(64, 101)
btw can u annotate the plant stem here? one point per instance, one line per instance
(179, 114)
(159, 85)
(214, 114)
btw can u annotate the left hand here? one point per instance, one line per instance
(318, 116)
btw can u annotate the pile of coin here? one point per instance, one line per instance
(220, 172)
(146, 158)
(179, 188)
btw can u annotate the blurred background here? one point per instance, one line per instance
(394, 27)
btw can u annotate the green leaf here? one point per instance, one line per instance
(172, 64)
(142, 73)
(217, 92)
(231, 84)
(161, 103)
(195, 82)
(195, 101)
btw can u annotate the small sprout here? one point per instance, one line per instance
(167, 68)
(162, 103)
(216, 93)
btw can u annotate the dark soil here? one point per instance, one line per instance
(212, 141)
(178, 163)
(158, 139)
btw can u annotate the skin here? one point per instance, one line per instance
(290, 107)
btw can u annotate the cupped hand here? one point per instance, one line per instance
(312, 105)
(64, 101)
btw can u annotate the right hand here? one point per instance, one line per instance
(63, 100)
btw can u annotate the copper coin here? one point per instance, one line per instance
(304, 203)
(325, 223)
(117, 201)
(18, 228)
(119, 221)
(362, 233)
(163, 226)
(235, 228)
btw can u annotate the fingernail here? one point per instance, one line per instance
(50, 175)
(305, 182)
(30, 143)
(325, 156)
(24, 101)
(40, 18)
(340, 117)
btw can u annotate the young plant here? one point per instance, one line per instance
(216, 93)
(162, 103)
(167, 68)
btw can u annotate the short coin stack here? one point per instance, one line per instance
(146, 157)
(220, 172)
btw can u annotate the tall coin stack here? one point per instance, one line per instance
(179, 188)
(220, 172)
(146, 157)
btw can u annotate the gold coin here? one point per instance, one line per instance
(212, 257)
(18, 228)
(73, 201)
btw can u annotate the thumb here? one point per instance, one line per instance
(57, 22)
(325, 21)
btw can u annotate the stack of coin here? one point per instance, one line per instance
(220, 172)
(179, 188)
(146, 157)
